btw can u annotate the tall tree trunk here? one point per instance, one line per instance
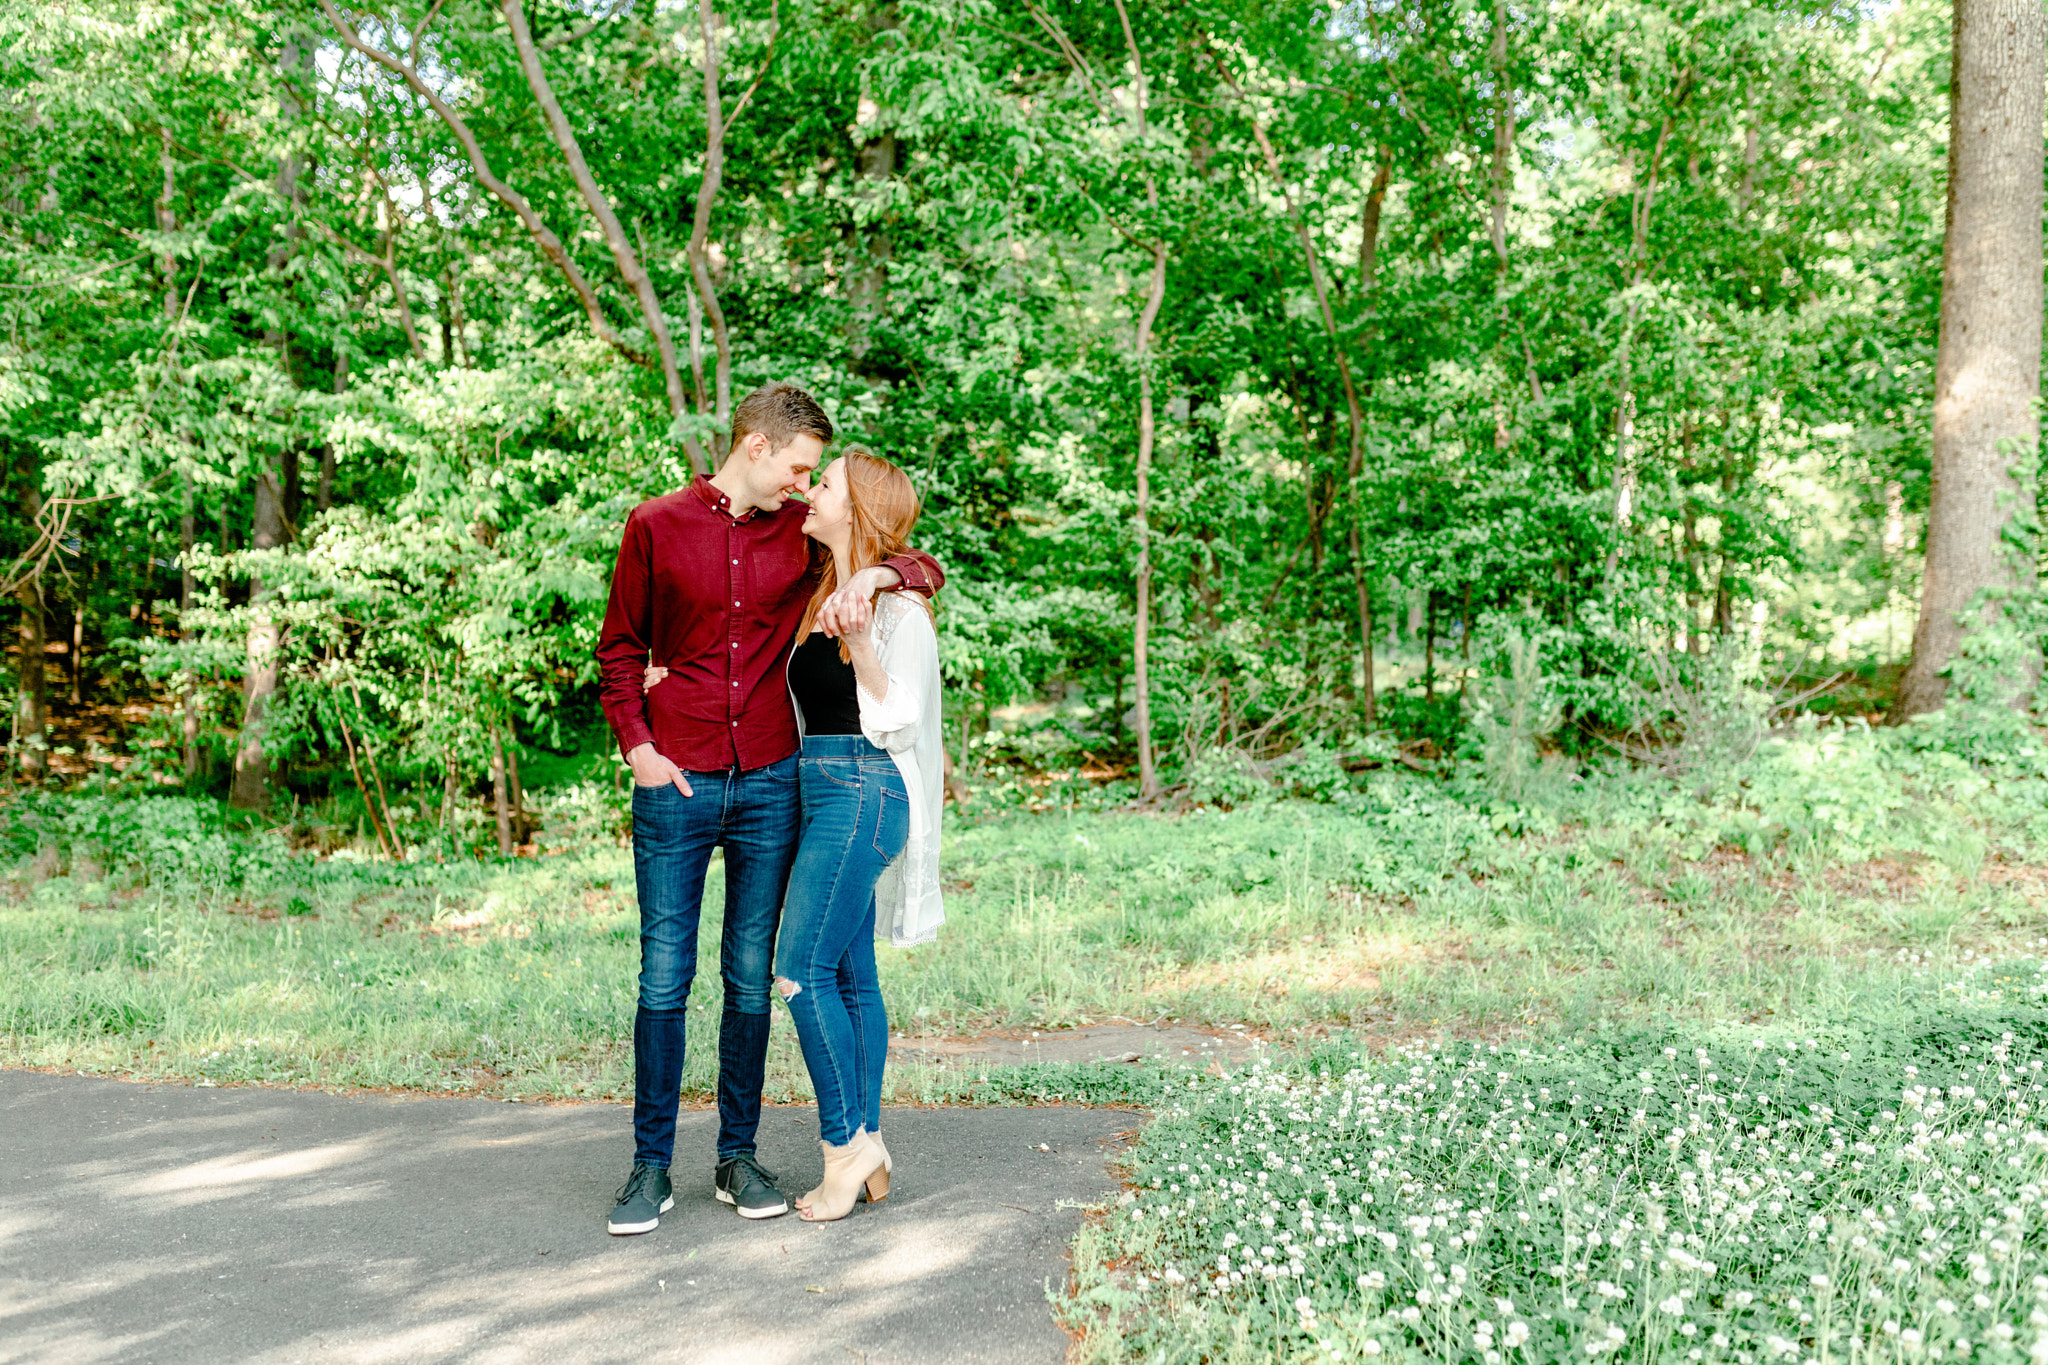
(323, 496)
(1368, 271)
(167, 222)
(1987, 372)
(1155, 296)
(444, 310)
(1503, 144)
(1642, 206)
(251, 789)
(1465, 646)
(1148, 773)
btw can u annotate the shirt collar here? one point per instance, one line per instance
(718, 501)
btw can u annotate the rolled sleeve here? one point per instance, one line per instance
(920, 573)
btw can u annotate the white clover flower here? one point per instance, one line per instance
(1371, 1347)
(1673, 1305)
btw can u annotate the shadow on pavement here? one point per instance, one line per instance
(145, 1223)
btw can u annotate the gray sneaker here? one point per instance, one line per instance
(750, 1190)
(644, 1197)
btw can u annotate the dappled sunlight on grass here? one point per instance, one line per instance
(1423, 911)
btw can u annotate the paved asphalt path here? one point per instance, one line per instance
(154, 1223)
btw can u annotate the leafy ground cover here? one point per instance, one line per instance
(1679, 1194)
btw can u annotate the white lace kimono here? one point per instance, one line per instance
(908, 905)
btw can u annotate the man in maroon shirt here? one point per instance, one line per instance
(711, 584)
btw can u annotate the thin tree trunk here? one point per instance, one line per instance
(1155, 296)
(1987, 373)
(444, 312)
(631, 269)
(369, 805)
(699, 251)
(78, 654)
(956, 786)
(32, 697)
(188, 584)
(167, 222)
(1500, 183)
(449, 791)
(522, 829)
(323, 498)
(1368, 273)
(501, 801)
(251, 789)
(1465, 647)
(1369, 223)
(1429, 647)
(1148, 774)
(1503, 144)
(1642, 205)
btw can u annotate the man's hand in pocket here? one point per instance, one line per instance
(650, 769)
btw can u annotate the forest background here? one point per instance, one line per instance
(1291, 368)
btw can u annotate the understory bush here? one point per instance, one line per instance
(1740, 1195)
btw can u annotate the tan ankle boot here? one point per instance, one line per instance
(846, 1170)
(878, 1183)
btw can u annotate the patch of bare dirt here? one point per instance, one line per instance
(1096, 1043)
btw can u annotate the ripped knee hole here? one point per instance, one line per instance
(786, 988)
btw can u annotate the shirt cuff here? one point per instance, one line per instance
(911, 570)
(632, 734)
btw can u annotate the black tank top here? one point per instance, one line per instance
(824, 685)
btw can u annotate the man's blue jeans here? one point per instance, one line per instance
(856, 819)
(753, 815)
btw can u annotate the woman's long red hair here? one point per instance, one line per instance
(884, 507)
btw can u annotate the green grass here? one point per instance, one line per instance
(1593, 940)
(169, 944)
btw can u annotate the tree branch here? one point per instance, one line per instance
(543, 236)
(631, 269)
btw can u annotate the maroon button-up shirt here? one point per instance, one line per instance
(714, 598)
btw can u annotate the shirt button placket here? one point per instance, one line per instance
(732, 693)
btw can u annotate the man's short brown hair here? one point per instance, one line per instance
(781, 412)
